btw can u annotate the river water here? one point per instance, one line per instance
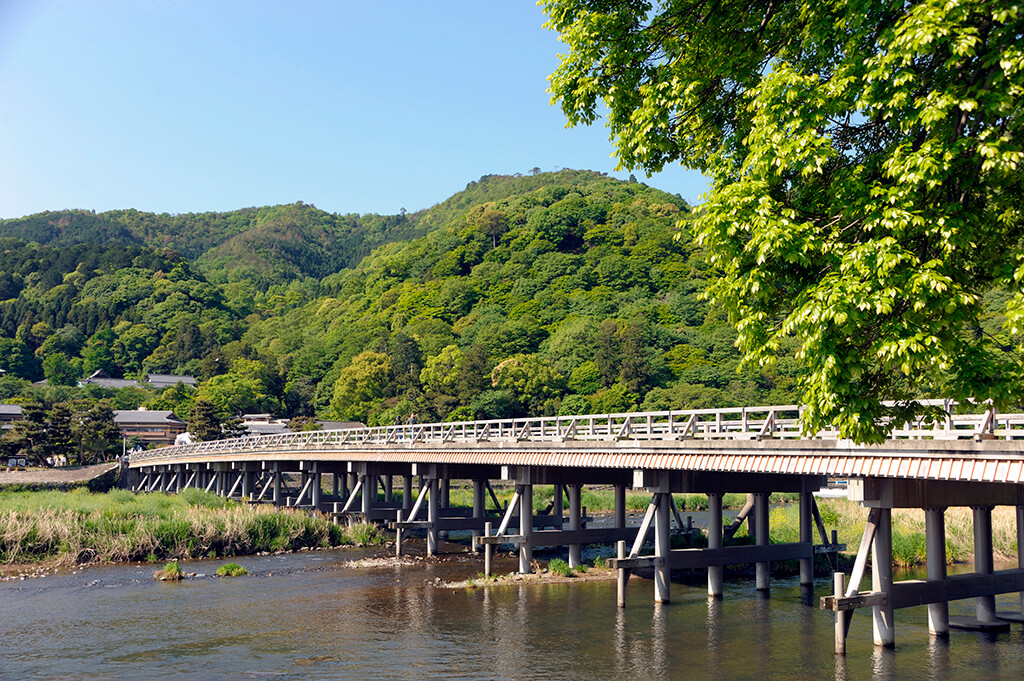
(313, 616)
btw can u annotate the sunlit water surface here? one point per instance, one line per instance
(310, 616)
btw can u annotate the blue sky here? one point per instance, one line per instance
(187, 106)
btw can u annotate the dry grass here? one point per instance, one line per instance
(908, 530)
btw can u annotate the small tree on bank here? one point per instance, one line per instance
(205, 424)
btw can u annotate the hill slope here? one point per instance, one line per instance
(562, 292)
(265, 246)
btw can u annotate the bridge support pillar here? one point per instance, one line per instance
(315, 487)
(445, 486)
(715, 542)
(761, 568)
(389, 488)
(334, 485)
(620, 506)
(277, 485)
(478, 509)
(985, 606)
(407, 493)
(882, 624)
(369, 493)
(806, 536)
(575, 522)
(246, 483)
(662, 546)
(935, 538)
(556, 505)
(1020, 549)
(526, 527)
(433, 506)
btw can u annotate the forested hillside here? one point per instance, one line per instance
(261, 246)
(564, 292)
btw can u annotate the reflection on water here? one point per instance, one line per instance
(308, 616)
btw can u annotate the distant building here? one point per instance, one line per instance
(100, 378)
(341, 425)
(161, 381)
(263, 424)
(151, 427)
(9, 413)
(261, 428)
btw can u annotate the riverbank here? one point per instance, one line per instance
(69, 528)
(97, 478)
(40, 531)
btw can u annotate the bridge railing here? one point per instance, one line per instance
(737, 423)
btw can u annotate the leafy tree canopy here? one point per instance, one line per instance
(864, 158)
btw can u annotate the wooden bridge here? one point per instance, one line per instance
(974, 460)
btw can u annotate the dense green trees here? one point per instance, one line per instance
(866, 189)
(82, 431)
(550, 293)
(580, 292)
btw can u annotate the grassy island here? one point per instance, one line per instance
(66, 528)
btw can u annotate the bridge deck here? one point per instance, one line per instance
(965, 448)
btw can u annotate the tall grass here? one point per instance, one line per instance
(80, 526)
(908, 530)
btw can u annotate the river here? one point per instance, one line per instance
(312, 616)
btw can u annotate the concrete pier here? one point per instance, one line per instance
(525, 527)
(882, 626)
(806, 537)
(762, 568)
(935, 537)
(575, 524)
(715, 582)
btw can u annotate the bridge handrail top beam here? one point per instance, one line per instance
(772, 421)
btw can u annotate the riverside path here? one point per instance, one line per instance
(964, 460)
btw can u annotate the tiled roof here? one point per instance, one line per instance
(117, 383)
(167, 380)
(127, 416)
(10, 409)
(266, 428)
(340, 425)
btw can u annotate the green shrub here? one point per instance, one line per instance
(174, 537)
(231, 570)
(365, 534)
(557, 566)
(171, 572)
(263, 530)
(201, 498)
